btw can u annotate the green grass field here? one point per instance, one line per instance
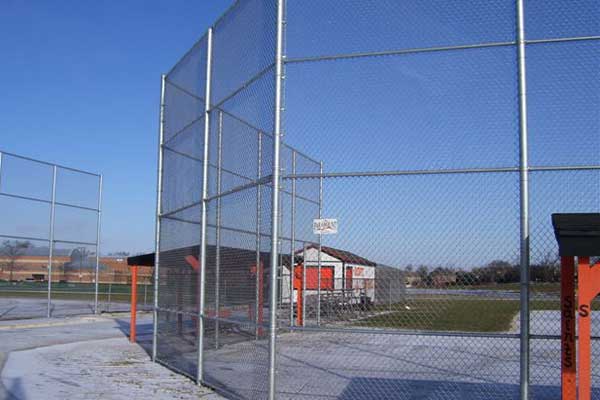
(448, 315)
(74, 291)
(454, 314)
(553, 287)
(418, 312)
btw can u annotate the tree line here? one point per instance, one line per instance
(11, 251)
(545, 270)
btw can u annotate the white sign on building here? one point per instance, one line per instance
(325, 226)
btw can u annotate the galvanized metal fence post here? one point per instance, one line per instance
(218, 228)
(203, 233)
(390, 296)
(98, 231)
(275, 201)
(51, 241)
(258, 280)
(524, 201)
(159, 188)
(109, 296)
(293, 238)
(280, 256)
(320, 244)
(1, 156)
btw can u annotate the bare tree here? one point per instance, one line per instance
(11, 251)
(82, 260)
(119, 254)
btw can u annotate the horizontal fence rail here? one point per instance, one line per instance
(398, 242)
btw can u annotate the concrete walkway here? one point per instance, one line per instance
(85, 358)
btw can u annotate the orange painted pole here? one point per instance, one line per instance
(567, 334)
(132, 323)
(298, 281)
(589, 287)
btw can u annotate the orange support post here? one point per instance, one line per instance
(588, 288)
(568, 353)
(578, 235)
(132, 323)
(298, 275)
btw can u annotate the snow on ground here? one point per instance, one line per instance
(372, 366)
(23, 308)
(85, 358)
(90, 358)
(99, 369)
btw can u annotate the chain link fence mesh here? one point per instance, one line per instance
(407, 133)
(50, 223)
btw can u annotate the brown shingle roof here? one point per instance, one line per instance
(343, 255)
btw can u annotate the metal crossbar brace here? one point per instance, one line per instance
(362, 174)
(38, 200)
(183, 90)
(417, 50)
(396, 332)
(6, 153)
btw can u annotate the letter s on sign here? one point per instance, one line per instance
(584, 310)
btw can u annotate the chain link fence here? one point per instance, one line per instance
(49, 227)
(440, 136)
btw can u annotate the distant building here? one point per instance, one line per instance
(77, 268)
(442, 279)
(412, 279)
(341, 270)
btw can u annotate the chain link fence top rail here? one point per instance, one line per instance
(406, 122)
(50, 238)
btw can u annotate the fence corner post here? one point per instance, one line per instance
(524, 204)
(275, 202)
(204, 223)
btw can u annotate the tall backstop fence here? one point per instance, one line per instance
(50, 229)
(354, 197)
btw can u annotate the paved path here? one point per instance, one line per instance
(85, 358)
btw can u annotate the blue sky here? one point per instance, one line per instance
(80, 87)
(440, 110)
(82, 82)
